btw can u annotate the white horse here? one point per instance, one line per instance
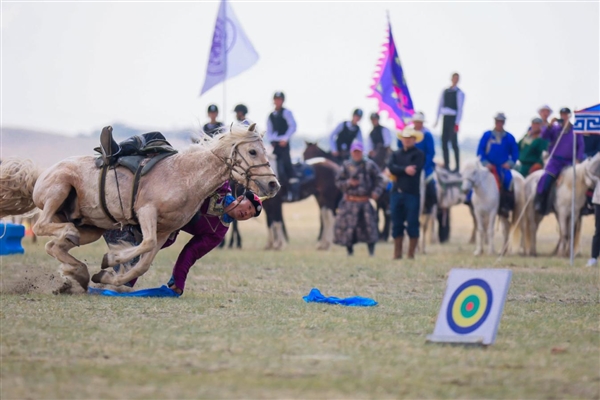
(169, 196)
(449, 194)
(486, 200)
(561, 207)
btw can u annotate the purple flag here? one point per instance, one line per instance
(390, 87)
(231, 52)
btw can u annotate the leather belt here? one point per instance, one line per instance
(357, 199)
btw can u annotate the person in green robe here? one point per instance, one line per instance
(531, 148)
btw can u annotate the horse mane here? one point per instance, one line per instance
(226, 139)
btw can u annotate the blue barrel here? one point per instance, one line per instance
(10, 239)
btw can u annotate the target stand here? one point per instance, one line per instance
(472, 307)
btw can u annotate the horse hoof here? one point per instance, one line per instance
(104, 263)
(73, 239)
(97, 278)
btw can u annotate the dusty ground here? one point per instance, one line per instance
(241, 330)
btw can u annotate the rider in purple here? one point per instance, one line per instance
(208, 228)
(562, 157)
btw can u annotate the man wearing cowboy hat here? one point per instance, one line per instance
(560, 136)
(356, 221)
(207, 227)
(406, 165)
(498, 151)
(427, 146)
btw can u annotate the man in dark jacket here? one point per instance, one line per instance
(406, 165)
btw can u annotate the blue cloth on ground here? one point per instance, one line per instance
(162, 291)
(315, 296)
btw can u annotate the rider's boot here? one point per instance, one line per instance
(507, 203)
(108, 147)
(540, 204)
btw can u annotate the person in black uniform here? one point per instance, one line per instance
(240, 114)
(343, 135)
(451, 108)
(280, 128)
(212, 127)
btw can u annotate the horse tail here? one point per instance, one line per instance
(18, 179)
(517, 224)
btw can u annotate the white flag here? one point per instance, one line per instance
(231, 52)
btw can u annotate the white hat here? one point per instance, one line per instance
(418, 116)
(410, 131)
(545, 107)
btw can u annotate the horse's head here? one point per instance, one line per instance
(471, 175)
(313, 151)
(592, 170)
(243, 151)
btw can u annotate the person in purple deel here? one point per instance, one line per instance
(208, 228)
(562, 146)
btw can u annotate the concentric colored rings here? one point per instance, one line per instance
(469, 306)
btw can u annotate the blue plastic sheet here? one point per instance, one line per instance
(315, 296)
(162, 291)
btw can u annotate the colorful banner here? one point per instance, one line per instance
(390, 88)
(587, 121)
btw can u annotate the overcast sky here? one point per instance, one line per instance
(74, 67)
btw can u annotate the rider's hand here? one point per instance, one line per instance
(456, 128)
(490, 167)
(335, 153)
(411, 170)
(374, 196)
(283, 143)
(506, 165)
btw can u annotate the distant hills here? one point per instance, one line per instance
(46, 148)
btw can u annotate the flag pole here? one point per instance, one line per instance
(573, 216)
(225, 59)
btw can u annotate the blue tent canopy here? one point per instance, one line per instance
(587, 121)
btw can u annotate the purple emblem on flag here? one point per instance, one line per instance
(390, 88)
(231, 52)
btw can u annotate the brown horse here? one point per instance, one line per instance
(169, 195)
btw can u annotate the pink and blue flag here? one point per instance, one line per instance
(231, 52)
(390, 88)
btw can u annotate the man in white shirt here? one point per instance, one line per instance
(280, 128)
(451, 108)
(344, 135)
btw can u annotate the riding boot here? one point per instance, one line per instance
(108, 147)
(350, 250)
(294, 191)
(507, 203)
(412, 246)
(541, 199)
(371, 247)
(398, 247)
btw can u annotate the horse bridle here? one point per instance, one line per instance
(235, 165)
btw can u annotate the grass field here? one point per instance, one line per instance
(242, 330)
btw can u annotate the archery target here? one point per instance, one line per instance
(469, 306)
(472, 305)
